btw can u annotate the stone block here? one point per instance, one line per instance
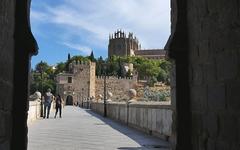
(154, 119)
(227, 65)
(2, 124)
(145, 118)
(141, 117)
(227, 128)
(197, 124)
(138, 116)
(117, 112)
(216, 97)
(159, 120)
(210, 122)
(173, 97)
(5, 145)
(173, 76)
(198, 97)
(134, 115)
(6, 98)
(149, 119)
(167, 122)
(211, 145)
(197, 74)
(210, 72)
(203, 51)
(233, 95)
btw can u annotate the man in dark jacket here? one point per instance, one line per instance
(48, 98)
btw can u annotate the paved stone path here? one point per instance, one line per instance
(81, 129)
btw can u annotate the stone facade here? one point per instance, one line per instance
(122, 45)
(117, 86)
(214, 74)
(205, 46)
(151, 53)
(79, 82)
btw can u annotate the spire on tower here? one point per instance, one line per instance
(69, 56)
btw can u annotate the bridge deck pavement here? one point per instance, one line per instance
(81, 129)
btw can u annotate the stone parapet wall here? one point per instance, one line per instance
(34, 111)
(151, 118)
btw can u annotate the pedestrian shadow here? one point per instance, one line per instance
(146, 141)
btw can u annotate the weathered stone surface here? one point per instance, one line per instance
(216, 97)
(233, 95)
(213, 27)
(211, 124)
(199, 97)
(2, 125)
(228, 129)
(119, 87)
(7, 21)
(146, 117)
(227, 65)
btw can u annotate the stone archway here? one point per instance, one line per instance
(69, 100)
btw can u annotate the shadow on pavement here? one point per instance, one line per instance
(146, 141)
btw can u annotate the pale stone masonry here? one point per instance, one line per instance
(121, 44)
(118, 86)
(81, 83)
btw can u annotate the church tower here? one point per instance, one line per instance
(122, 45)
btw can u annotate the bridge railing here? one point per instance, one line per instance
(153, 118)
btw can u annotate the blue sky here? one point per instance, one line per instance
(80, 26)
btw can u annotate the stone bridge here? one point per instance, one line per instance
(83, 129)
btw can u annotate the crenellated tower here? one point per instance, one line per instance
(121, 44)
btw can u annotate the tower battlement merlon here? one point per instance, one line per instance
(117, 35)
(122, 44)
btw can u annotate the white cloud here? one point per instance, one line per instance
(84, 49)
(149, 20)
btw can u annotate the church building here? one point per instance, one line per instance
(121, 44)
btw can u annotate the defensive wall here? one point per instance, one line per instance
(117, 86)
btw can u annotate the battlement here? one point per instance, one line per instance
(119, 34)
(134, 78)
(81, 63)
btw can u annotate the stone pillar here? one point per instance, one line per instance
(25, 46)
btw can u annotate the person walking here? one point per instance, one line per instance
(48, 98)
(58, 106)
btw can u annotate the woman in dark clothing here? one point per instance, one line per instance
(58, 106)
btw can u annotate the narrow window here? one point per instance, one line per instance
(69, 79)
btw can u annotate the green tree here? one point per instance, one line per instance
(60, 67)
(42, 67)
(42, 78)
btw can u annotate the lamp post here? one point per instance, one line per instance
(88, 94)
(105, 91)
(41, 108)
(82, 97)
